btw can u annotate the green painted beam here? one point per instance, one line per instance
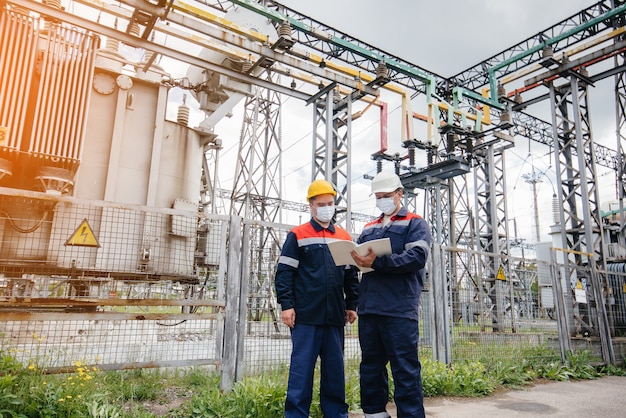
(560, 37)
(493, 87)
(424, 77)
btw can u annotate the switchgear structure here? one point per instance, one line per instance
(256, 53)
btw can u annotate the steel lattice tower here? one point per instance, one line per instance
(581, 233)
(258, 169)
(332, 131)
(438, 211)
(620, 113)
(492, 230)
(462, 263)
(257, 184)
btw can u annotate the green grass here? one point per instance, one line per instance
(27, 391)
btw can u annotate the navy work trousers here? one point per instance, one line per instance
(308, 343)
(386, 339)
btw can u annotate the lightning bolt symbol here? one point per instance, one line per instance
(84, 233)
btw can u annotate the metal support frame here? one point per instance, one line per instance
(258, 181)
(620, 119)
(562, 301)
(439, 273)
(620, 114)
(620, 131)
(492, 234)
(258, 169)
(232, 327)
(462, 264)
(332, 132)
(579, 201)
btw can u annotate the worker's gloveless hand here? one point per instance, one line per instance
(350, 316)
(288, 317)
(364, 261)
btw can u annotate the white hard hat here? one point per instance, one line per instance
(385, 182)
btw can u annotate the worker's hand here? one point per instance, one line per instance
(364, 261)
(350, 316)
(289, 317)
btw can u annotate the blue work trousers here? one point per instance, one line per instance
(308, 343)
(383, 340)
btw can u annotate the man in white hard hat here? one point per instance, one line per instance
(388, 304)
(317, 298)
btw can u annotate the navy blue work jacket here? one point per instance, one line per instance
(395, 285)
(308, 280)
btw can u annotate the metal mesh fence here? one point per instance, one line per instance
(617, 292)
(491, 318)
(127, 286)
(110, 344)
(112, 285)
(501, 317)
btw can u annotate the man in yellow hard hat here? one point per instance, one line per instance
(317, 299)
(388, 304)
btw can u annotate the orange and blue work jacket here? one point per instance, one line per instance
(308, 280)
(395, 285)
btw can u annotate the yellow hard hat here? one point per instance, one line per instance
(319, 187)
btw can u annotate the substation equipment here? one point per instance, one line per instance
(83, 114)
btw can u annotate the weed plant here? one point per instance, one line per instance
(28, 391)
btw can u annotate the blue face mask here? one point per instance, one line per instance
(386, 205)
(325, 213)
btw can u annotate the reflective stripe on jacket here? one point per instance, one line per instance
(395, 285)
(308, 280)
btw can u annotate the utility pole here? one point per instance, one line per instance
(533, 178)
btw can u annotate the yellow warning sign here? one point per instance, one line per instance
(83, 236)
(501, 275)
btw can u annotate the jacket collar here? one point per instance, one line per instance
(401, 214)
(318, 227)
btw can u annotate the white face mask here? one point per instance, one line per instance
(325, 213)
(386, 205)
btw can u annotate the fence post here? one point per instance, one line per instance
(604, 327)
(243, 302)
(229, 358)
(221, 289)
(439, 286)
(560, 307)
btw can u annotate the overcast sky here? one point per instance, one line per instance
(445, 38)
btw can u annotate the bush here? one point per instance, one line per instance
(88, 392)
